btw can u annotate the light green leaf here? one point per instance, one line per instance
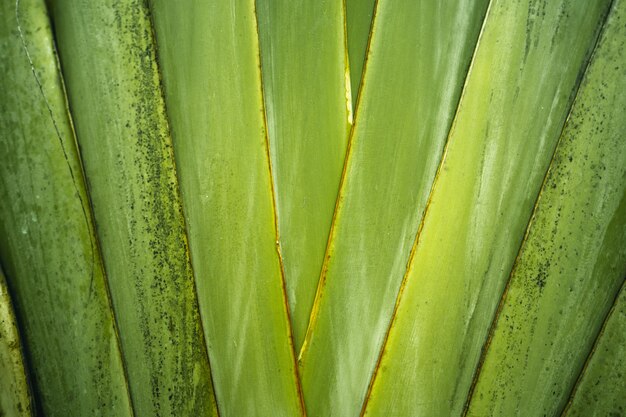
(359, 16)
(573, 260)
(216, 108)
(15, 397)
(108, 58)
(407, 104)
(518, 93)
(47, 243)
(309, 114)
(600, 391)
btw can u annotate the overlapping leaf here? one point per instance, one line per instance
(359, 16)
(425, 234)
(108, 57)
(15, 395)
(47, 242)
(523, 78)
(406, 106)
(216, 110)
(573, 260)
(600, 391)
(309, 113)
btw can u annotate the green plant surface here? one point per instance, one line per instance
(573, 260)
(15, 397)
(306, 85)
(47, 242)
(519, 90)
(600, 390)
(216, 109)
(359, 16)
(198, 219)
(407, 103)
(108, 58)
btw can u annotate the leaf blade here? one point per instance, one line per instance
(108, 57)
(570, 266)
(601, 386)
(394, 152)
(309, 115)
(15, 396)
(492, 172)
(359, 16)
(223, 162)
(47, 240)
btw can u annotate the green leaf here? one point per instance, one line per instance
(216, 108)
(15, 398)
(407, 103)
(108, 57)
(469, 266)
(573, 260)
(47, 243)
(359, 16)
(309, 114)
(518, 93)
(600, 391)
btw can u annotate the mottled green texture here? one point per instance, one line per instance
(519, 90)
(408, 100)
(108, 58)
(573, 260)
(309, 114)
(15, 400)
(216, 108)
(601, 391)
(359, 14)
(47, 243)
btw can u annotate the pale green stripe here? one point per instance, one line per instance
(408, 100)
(521, 83)
(307, 100)
(15, 400)
(573, 261)
(47, 243)
(359, 14)
(209, 53)
(602, 388)
(108, 58)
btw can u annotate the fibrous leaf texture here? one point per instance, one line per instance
(322, 208)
